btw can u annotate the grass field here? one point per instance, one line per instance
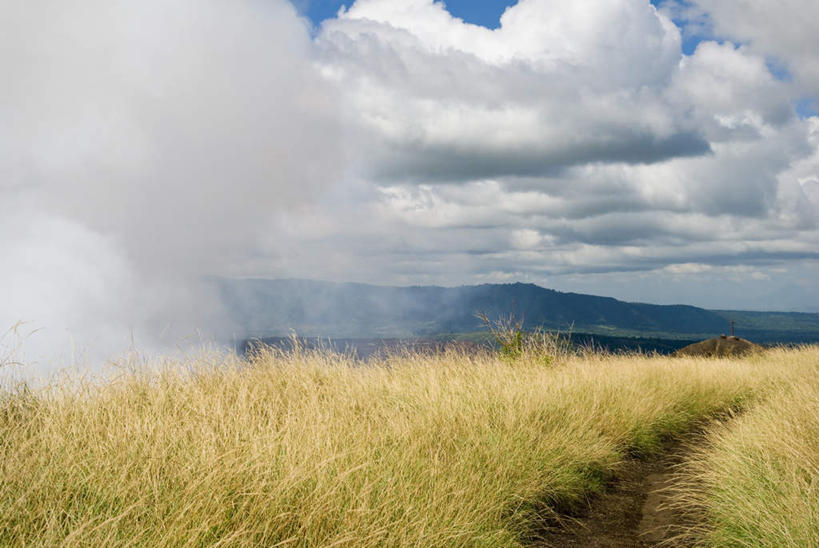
(755, 480)
(308, 449)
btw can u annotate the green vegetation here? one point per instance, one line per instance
(756, 480)
(515, 345)
(271, 308)
(794, 327)
(306, 449)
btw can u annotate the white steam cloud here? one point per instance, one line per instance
(144, 145)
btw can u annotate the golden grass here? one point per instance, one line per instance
(756, 478)
(309, 450)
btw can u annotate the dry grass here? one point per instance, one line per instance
(755, 480)
(307, 450)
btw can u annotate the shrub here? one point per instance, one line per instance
(515, 344)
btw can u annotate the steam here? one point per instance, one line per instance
(144, 146)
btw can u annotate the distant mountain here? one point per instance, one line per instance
(265, 308)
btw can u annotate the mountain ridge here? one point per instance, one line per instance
(274, 307)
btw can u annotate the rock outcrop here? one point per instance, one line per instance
(720, 347)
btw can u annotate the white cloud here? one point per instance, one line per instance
(597, 36)
(731, 90)
(526, 238)
(558, 84)
(787, 31)
(532, 150)
(557, 126)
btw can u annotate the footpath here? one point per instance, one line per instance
(633, 512)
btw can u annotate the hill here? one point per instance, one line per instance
(720, 347)
(265, 308)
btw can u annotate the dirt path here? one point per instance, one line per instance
(631, 513)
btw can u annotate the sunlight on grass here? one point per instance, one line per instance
(311, 449)
(756, 479)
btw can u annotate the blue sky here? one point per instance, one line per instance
(486, 13)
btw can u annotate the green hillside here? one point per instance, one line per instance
(263, 308)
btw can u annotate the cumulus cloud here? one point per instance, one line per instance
(785, 31)
(575, 139)
(557, 84)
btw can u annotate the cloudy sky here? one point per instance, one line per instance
(660, 151)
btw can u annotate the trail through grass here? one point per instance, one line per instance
(755, 480)
(309, 450)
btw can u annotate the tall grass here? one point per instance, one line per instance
(756, 479)
(307, 449)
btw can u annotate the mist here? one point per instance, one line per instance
(145, 146)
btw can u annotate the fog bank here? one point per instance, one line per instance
(144, 145)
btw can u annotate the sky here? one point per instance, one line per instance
(662, 152)
(486, 13)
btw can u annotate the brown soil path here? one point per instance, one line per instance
(632, 513)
